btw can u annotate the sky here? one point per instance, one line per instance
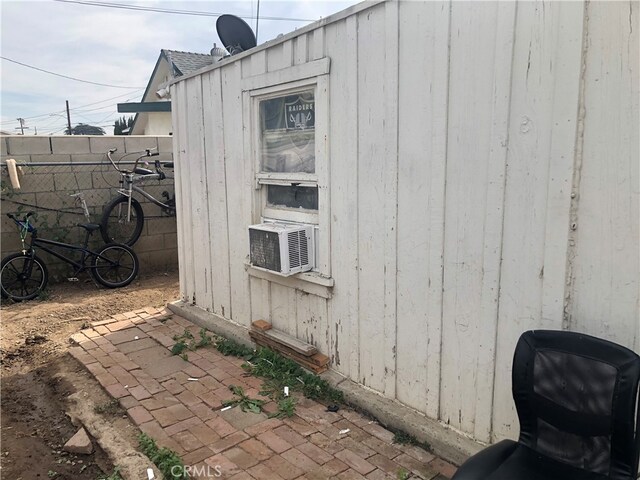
(113, 46)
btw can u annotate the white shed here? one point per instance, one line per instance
(471, 170)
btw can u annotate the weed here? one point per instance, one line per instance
(110, 407)
(286, 408)
(44, 295)
(282, 372)
(186, 341)
(52, 474)
(403, 438)
(179, 347)
(245, 403)
(231, 347)
(115, 475)
(403, 474)
(167, 461)
(184, 356)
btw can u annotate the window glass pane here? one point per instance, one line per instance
(287, 128)
(292, 196)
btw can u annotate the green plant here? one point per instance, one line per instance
(115, 475)
(44, 295)
(231, 347)
(110, 407)
(403, 438)
(403, 474)
(168, 462)
(245, 403)
(286, 408)
(52, 474)
(186, 341)
(282, 372)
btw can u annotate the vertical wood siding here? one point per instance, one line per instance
(481, 180)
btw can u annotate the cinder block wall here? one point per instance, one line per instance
(46, 190)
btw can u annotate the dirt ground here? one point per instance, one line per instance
(33, 355)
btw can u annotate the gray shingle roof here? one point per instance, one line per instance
(187, 62)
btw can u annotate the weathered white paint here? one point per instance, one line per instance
(457, 143)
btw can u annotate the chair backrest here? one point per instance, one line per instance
(577, 401)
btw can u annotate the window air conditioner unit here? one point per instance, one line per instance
(282, 248)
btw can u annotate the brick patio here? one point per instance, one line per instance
(177, 403)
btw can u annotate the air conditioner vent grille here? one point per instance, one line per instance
(265, 251)
(282, 248)
(298, 249)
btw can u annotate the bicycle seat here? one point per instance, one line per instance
(168, 165)
(89, 227)
(143, 171)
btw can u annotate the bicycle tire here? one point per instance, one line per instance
(112, 260)
(115, 228)
(12, 275)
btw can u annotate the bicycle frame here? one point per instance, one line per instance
(130, 180)
(80, 266)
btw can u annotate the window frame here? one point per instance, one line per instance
(261, 209)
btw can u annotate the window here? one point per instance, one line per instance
(287, 127)
(288, 140)
(286, 151)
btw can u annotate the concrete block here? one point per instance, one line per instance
(108, 179)
(26, 145)
(79, 443)
(165, 144)
(70, 144)
(162, 225)
(50, 200)
(96, 158)
(170, 240)
(161, 260)
(103, 143)
(138, 143)
(37, 182)
(10, 242)
(61, 158)
(149, 243)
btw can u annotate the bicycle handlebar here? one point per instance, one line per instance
(147, 153)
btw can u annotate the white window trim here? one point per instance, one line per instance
(321, 217)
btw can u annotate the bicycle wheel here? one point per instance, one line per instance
(22, 277)
(115, 266)
(115, 226)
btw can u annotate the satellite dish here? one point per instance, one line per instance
(235, 34)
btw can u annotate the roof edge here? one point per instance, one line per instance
(336, 17)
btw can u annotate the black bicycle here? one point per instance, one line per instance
(24, 275)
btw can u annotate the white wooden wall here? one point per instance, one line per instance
(483, 172)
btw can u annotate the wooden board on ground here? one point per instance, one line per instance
(296, 357)
(318, 359)
(291, 342)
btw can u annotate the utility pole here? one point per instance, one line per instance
(21, 127)
(68, 117)
(257, 20)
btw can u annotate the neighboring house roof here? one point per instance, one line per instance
(180, 63)
(186, 62)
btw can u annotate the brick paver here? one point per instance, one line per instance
(178, 403)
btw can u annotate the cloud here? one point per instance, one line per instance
(111, 46)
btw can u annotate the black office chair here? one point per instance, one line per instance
(577, 401)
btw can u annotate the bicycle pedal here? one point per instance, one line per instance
(72, 279)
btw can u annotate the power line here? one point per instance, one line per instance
(76, 108)
(172, 11)
(65, 76)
